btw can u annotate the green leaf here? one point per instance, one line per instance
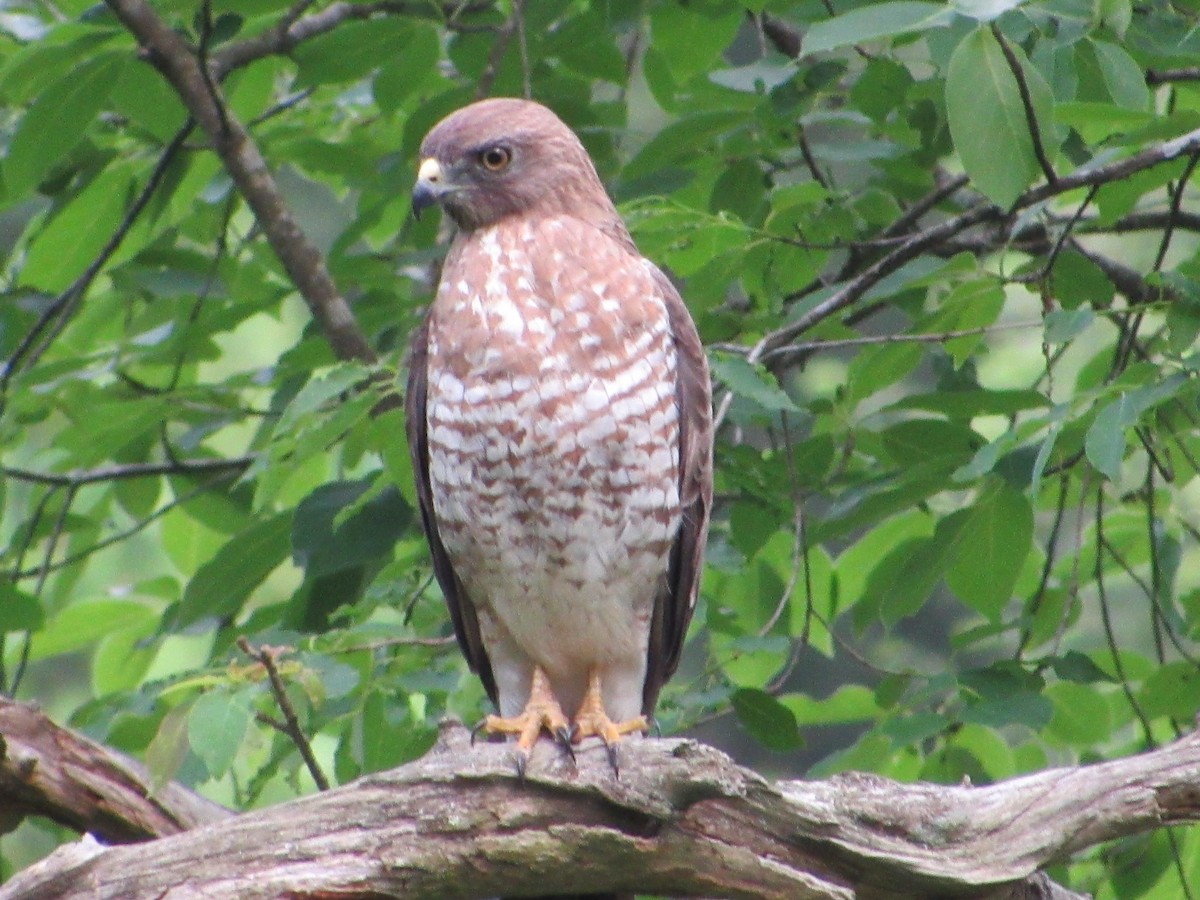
(406, 71)
(74, 236)
(918, 441)
(903, 580)
(323, 386)
(57, 120)
(84, 623)
(216, 726)
(1081, 714)
(168, 748)
(19, 611)
(987, 118)
(691, 37)
(389, 739)
(103, 428)
(1074, 666)
(1116, 14)
(221, 585)
(1105, 441)
(752, 383)
(992, 545)
(351, 51)
(849, 703)
(1124, 78)
(770, 722)
(876, 20)
(1172, 690)
(1062, 326)
(121, 659)
(321, 545)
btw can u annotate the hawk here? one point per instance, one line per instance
(560, 424)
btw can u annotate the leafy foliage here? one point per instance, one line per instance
(945, 258)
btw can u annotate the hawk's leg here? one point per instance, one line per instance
(541, 712)
(593, 720)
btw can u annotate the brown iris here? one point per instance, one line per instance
(495, 158)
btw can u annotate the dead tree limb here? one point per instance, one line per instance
(52, 771)
(683, 819)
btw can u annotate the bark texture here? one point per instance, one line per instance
(52, 771)
(681, 819)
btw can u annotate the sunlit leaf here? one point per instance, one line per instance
(878, 20)
(987, 118)
(216, 727)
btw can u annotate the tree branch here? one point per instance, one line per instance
(1035, 131)
(929, 238)
(682, 819)
(56, 315)
(51, 771)
(242, 159)
(124, 471)
(292, 30)
(266, 656)
(1155, 77)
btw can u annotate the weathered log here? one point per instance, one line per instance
(681, 819)
(58, 773)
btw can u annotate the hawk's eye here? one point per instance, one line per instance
(495, 158)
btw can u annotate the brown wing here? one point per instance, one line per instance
(462, 611)
(693, 398)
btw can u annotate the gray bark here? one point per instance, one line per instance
(681, 819)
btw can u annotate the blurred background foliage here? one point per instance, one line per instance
(945, 260)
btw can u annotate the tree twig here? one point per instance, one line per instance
(56, 315)
(1035, 131)
(125, 471)
(267, 656)
(241, 157)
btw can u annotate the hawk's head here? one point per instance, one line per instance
(504, 157)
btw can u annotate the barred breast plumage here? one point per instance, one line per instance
(554, 454)
(560, 426)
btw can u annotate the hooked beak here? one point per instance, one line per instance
(431, 186)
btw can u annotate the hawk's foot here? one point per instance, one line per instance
(592, 720)
(541, 713)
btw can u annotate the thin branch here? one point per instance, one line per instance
(1035, 131)
(786, 37)
(60, 524)
(386, 643)
(787, 354)
(1155, 77)
(1173, 211)
(55, 317)
(267, 656)
(909, 218)
(291, 30)
(504, 36)
(810, 161)
(1148, 220)
(121, 472)
(245, 164)
(1106, 620)
(138, 526)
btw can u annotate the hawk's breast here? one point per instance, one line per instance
(553, 438)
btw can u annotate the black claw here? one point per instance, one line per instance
(478, 728)
(654, 726)
(611, 750)
(565, 739)
(522, 762)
